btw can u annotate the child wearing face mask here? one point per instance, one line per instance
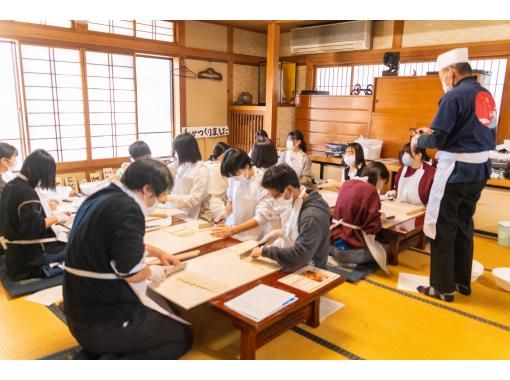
(305, 224)
(354, 161)
(414, 179)
(295, 156)
(249, 207)
(8, 155)
(359, 219)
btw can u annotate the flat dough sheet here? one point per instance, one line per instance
(401, 211)
(180, 237)
(214, 274)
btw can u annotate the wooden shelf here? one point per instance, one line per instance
(499, 182)
(247, 108)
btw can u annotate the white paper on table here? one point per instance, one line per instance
(409, 282)
(330, 197)
(158, 222)
(261, 302)
(47, 296)
(328, 307)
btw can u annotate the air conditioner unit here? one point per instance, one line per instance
(344, 36)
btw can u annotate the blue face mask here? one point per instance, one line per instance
(407, 160)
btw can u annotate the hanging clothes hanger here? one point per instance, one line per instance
(210, 73)
(183, 71)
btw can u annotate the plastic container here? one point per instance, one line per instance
(371, 148)
(502, 277)
(504, 234)
(476, 270)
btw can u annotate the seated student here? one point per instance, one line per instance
(359, 219)
(414, 179)
(217, 183)
(264, 154)
(295, 156)
(307, 225)
(249, 206)
(138, 149)
(8, 155)
(354, 163)
(259, 133)
(190, 192)
(105, 281)
(31, 245)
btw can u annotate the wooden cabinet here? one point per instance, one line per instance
(400, 103)
(327, 119)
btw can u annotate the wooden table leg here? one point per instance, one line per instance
(393, 252)
(248, 344)
(314, 318)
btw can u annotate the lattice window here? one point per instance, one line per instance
(112, 107)
(122, 27)
(54, 101)
(336, 80)
(155, 30)
(11, 131)
(154, 103)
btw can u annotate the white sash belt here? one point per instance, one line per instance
(4, 241)
(375, 248)
(139, 288)
(445, 166)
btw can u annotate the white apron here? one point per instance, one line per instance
(445, 166)
(295, 161)
(376, 249)
(289, 220)
(244, 204)
(139, 288)
(408, 187)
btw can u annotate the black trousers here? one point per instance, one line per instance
(452, 249)
(148, 335)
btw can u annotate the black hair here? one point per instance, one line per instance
(358, 154)
(139, 149)
(218, 150)
(375, 171)
(264, 154)
(148, 171)
(261, 133)
(297, 135)
(40, 166)
(407, 149)
(234, 160)
(463, 68)
(278, 177)
(186, 147)
(7, 150)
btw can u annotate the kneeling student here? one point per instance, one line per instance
(312, 241)
(359, 219)
(105, 283)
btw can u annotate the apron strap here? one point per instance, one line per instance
(4, 241)
(89, 274)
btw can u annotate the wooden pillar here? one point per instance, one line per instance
(398, 31)
(272, 79)
(230, 79)
(310, 76)
(181, 35)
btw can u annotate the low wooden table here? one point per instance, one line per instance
(256, 334)
(402, 236)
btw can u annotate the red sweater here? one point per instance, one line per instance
(358, 204)
(425, 182)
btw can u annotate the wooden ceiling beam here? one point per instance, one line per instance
(62, 37)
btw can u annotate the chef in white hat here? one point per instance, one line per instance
(464, 131)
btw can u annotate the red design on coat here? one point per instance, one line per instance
(485, 108)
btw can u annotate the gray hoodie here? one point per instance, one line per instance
(312, 243)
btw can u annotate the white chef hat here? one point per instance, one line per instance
(452, 57)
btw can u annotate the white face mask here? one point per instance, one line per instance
(282, 201)
(407, 160)
(289, 145)
(349, 160)
(149, 209)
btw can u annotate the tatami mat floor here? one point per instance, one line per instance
(377, 322)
